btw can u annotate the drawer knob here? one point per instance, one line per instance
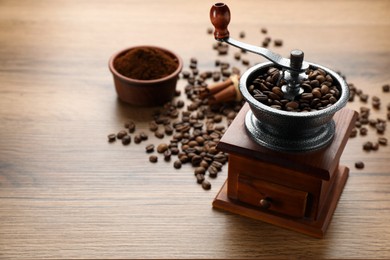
(265, 203)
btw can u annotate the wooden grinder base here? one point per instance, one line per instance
(297, 191)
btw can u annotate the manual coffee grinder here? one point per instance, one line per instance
(283, 166)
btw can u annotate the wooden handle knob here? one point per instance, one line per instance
(265, 203)
(220, 18)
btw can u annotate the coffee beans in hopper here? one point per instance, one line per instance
(319, 91)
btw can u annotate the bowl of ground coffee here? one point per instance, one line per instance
(145, 75)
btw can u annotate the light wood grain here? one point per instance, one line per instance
(67, 193)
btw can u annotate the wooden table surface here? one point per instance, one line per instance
(65, 192)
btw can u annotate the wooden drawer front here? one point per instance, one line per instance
(280, 199)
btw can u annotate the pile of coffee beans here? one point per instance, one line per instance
(189, 128)
(319, 91)
(367, 122)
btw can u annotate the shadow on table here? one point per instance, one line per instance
(245, 237)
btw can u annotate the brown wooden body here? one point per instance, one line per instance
(300, 189)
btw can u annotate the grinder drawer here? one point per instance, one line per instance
(272, 197)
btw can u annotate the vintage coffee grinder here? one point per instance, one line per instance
(283, 166)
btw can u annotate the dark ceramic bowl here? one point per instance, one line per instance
(153, 92)
(290, 131)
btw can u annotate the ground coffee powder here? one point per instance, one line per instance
(145, 63)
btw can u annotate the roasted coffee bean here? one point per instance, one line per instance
(245, 62)
(292, 105)
(213, 171)
(167, 155)
(177, 164)
(153, 126)
(204, 164)
(206, 185)
(380, 127)
(159, 133)
(143, 136)
(180, 103)
(363, 97)
(195, 160)
(217, 165)
(184, 159)
(363, 131)
(199, 178)
(175, 150)
(278, 91)
(126, 140)
(278, 42)
(121, 134)
(168, 129)
(359, 165)
(382, 140)
(217, 118)
(367, 146)
(386, 88)
(153, 158)
(162, 147)
(185, 74)
(149, 148)
(111, 137)
(131, 126)
(137, 139)
(200, 170)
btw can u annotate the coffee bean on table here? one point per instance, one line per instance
(159, 133)
(137, 139)
(161, 148)
(126, 140)
(196, 159)
(200, 170)
(149, 148)
(131, 126)
(121, 134)
(153, 158)
(278, 42)
(111, 137)
(213, 171)
(153, 126)
(206, 185)
(199, 178)
(382, 140)
(367, 146)
(363, 131)
(359, 165)
(167, 155)
(177, 164)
